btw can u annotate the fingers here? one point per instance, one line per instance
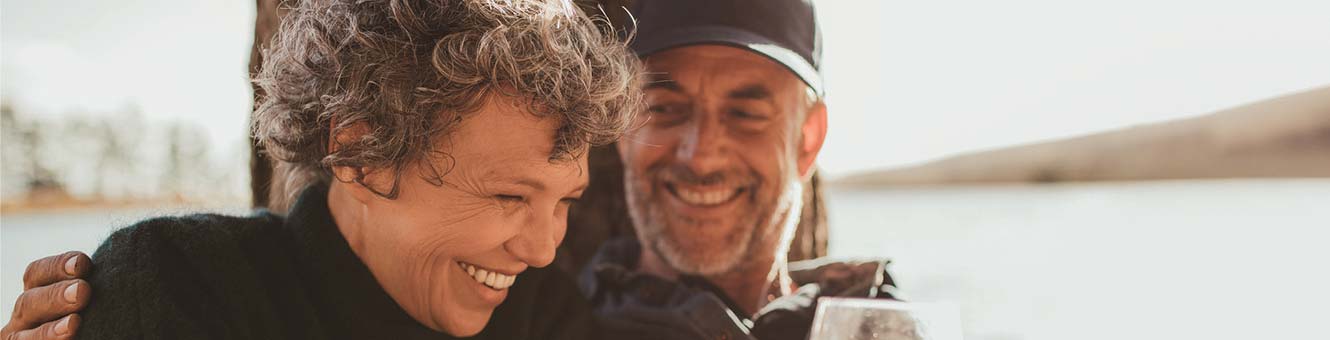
(52, 294)
(51, 269)
(54, 330)
(46, 303)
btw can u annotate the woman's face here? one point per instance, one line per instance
(448, 252)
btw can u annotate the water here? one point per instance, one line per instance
(27, 237)
(1162, 260)
(1157, 260)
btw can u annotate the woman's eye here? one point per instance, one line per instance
(569, 201)
(509, 198)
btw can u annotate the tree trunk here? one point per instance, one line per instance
(267, 21)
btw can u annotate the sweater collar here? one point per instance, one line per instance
(344, 288)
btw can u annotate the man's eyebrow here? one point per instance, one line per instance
(754, 91)
(661, 81)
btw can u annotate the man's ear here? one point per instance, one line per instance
(814, 133)
(366, 183)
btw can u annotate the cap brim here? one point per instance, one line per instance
(700, 35)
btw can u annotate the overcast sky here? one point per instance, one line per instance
(909, 81)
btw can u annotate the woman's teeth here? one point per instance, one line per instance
(709, 197)
(489, 278)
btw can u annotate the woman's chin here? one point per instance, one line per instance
(465, 325)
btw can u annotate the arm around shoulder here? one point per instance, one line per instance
(138, 278)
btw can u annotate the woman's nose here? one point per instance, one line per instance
(536, 242)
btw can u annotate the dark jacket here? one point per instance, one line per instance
(269, 277)
(635, 305)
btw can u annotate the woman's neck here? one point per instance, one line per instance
(347, 213)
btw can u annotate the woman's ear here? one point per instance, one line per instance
(370, 183)
(814, 133)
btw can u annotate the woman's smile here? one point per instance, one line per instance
(491, 295)
(489, 277)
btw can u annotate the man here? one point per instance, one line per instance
(714, 177)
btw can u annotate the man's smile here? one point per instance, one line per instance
(705, 196)
(706, 202)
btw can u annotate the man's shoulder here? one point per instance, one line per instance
(849, 278)
(791, 316)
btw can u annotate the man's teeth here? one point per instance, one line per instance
(488, 278)
(710, 197)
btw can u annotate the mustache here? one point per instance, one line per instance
(686, 175)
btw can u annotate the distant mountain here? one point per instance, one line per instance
(1287, 136)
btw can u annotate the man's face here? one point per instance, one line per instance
(714, 168)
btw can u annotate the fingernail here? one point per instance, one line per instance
(70, 264)
(62, 327)
(72, 292)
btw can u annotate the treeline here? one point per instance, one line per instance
(118, 157)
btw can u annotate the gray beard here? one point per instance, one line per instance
(651, 224)
(669, 249)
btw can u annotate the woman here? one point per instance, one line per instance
(440, 144)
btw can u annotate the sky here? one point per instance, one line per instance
(182, 61)
(908, 81)
(912, 81)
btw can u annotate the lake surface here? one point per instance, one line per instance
(1155, 260)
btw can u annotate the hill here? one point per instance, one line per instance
(1287, 136)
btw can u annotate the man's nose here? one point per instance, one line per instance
(702, 145)
(535, 243)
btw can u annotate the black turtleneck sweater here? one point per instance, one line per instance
(269, 277)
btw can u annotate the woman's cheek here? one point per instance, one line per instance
(480, 231)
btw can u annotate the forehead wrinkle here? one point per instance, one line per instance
(755, 91)
(463, 179)
(718, 66)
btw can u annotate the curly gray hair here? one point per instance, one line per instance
(407, 71)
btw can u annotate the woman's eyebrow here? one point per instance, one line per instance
(529, 182)
(540, 186)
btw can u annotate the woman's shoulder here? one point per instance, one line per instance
(188, 269)
(544, 303)
(185, 227)
(163, 244)
(197, 232)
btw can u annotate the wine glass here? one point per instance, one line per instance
(880, 319)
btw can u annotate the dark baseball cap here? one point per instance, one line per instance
(784, 30)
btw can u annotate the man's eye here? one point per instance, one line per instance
(668, 109)
(742, 114)
(570, 201)
(667, 114)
